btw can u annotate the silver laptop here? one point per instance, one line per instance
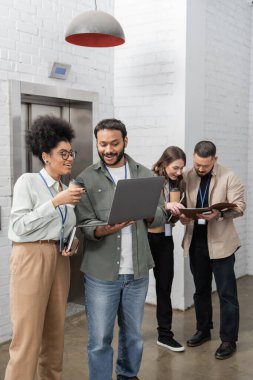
(134, 199)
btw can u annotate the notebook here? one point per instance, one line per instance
(72, 243)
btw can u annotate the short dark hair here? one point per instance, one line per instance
(111, 124)
(205, 149)
(45, 134)
(171, 154)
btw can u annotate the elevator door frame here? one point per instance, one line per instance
(79, 114)
(19, 89)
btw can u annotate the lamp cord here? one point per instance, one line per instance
(96, 5)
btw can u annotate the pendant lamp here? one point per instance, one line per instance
(95, 29)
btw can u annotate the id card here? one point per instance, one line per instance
(168, 229)
(202, 221)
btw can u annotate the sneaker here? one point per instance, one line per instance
(170, 343)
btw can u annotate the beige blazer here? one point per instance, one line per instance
(223, 239)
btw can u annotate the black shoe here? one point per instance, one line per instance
(127, 378)
(198, 338)
(225, 350)
(170, 343)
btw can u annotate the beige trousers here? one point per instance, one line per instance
(40, 278)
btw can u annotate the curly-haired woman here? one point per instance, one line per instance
(41, 219)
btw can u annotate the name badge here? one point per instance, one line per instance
(168, 230)
(202, 221)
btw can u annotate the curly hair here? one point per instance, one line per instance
(45, 134)
(172, 153)
(111, 124)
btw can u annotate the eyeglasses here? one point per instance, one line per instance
(65, 154)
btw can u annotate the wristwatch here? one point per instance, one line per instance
(221, 217)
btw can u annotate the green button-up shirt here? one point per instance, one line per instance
(102, 256)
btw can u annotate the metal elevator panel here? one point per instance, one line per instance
(79, 114)
(35, 110)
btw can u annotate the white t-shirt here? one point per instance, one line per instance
(126, 258)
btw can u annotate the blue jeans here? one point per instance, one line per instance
(104, 300)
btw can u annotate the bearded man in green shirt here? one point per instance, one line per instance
(117, 259)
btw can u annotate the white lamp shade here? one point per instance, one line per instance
(95, 29)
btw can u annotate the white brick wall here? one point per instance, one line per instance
(177, 88)
(145, 71)
(31, 39)
(150, 90)
(250, 164)
(183, 74)
(5, 203)
(227, 72)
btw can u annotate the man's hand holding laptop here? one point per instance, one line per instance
(109, 229)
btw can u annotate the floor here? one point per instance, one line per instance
(158, 363)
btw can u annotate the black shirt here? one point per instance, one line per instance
(204, 187)
(200, 230)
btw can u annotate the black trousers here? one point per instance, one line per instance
(162, 249)
(202, 268)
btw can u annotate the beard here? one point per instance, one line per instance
(118, 155)
(201, 174)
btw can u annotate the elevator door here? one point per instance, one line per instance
(79, 114)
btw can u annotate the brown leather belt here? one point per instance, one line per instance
(49, 241)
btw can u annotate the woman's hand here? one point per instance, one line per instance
(71, 196)
(174, 207)
(184, 220)
(68, 253)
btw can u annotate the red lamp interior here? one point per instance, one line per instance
(94, 40)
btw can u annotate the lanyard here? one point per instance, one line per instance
(63, 217)
(125, 166)
(201, 195)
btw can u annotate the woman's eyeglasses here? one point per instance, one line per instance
(65, 154)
